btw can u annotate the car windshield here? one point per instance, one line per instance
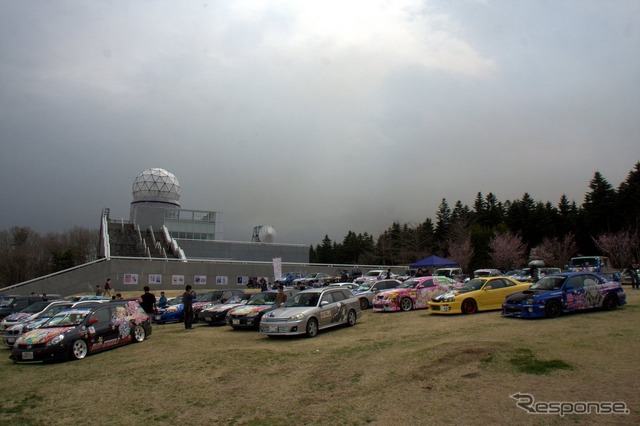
(472, 285)
(263, 299)
(548, 283)
(209, 297)
(35, 307)
(372, 274)
(53, 309)
(69, 317)
(409, 284)
(364, 287)
(584, 261)
(303, 299)
(310, 275)
(175, 301)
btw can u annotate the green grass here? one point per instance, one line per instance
(526, 362)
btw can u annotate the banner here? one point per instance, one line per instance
(277, 268)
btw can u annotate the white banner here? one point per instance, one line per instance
(277, 268)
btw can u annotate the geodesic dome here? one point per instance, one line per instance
(157, 185)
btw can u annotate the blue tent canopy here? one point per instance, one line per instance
(434, 261)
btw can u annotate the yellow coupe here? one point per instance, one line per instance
(478, 294)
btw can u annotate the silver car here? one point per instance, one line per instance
(310, 311)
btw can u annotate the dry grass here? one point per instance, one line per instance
(396, 368)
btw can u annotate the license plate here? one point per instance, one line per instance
(273, 328)
(10, 340)
(235, 321)
(27, 355)
(444, 308)
(158, 317)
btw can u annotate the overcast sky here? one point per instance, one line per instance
(314, 117)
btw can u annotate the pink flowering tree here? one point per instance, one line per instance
(461, 251)
(621, 247)
(507, 250)
(555, 251)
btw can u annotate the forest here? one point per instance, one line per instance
(507, 234)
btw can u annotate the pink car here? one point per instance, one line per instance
(414, 293)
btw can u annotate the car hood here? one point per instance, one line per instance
(522, 295)
(18, 316)
(33, 324)
(288, 312)
(249, 309)
(222, 308)
(42, 335)
(446, 295)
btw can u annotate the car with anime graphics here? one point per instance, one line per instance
(216, 314)
(15, 325)
(215, 297)
(31, 311)
(309, 311)
(560, 293)
(173, 312)
(368, 290)
(414, 293)
(77, 332)
(249, 314)
(478, 294)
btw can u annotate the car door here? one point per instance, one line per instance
(328, 308)
(493, 297)
(102, 333)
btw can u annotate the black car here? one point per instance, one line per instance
(215, 314)
(79, 331)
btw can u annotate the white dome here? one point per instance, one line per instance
(267, 234)
(156, 185)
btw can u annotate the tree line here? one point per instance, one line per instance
(508, 234)
(25, 254)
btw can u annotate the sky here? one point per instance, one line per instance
(313, 117)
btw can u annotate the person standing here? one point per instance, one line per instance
(634, 276)
(148, 301)
(187, 301)
(98, 290)
(281, 297)
(162, 302)
(107, 287)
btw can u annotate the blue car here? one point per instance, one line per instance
(560, 293)
(173, 312)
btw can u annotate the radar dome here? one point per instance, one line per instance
(267, 234)
(157, 185)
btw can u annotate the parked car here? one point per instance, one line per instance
(77, 332)
(367, 291)
(315, 279)
(455, 274)
(249, 315)
(486, 273)
(14, 331)
(350, 286)
(565, 292)
(215, 297)
(15, 303)
(310, 311)
(173, 312)
(374, 275)
(589, 264)
(288, 277)
(86, 297)
(414, 293)
(25, 314)
(216, 314)
(478, 294)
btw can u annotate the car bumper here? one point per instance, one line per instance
(385, 307)
(24, 353)
(444, 308)
(519, 310)
(243, 322)
(213, 318)
(283, 328)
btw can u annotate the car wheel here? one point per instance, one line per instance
(553, 309)
(406, 304)
(79, 349)
(312, 327)
(469, 306)
(139, 334)
(364, 303)
(609, 302)
(351, 318)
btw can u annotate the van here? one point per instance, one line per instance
(589, 264)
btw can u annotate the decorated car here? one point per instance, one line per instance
(312, 310)
(478, 294)
(414, 293)
(173, 312)
(30, 312)
(216, 314)
(27, 323)
(368, 290)
(249, 314)
(565, 292)
(215, 297)
(79, 331)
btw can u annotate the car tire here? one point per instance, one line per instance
(79, 349)
(364, 303)
(139, 333)
(469, 306)
(352, 318)
(406, 304)
(553, 309)
(312, 327)
(609, 303)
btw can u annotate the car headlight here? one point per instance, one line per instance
(296, 317)
(529, 301)
(252, 314)
(55, 340)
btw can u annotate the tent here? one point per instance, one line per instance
(434, 261)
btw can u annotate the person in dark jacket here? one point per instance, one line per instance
(187, 299)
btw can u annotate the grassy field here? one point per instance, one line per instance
(411, 368)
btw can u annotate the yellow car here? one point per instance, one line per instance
(478, 294)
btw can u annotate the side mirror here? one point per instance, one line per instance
(93, 320)
(324, 303)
